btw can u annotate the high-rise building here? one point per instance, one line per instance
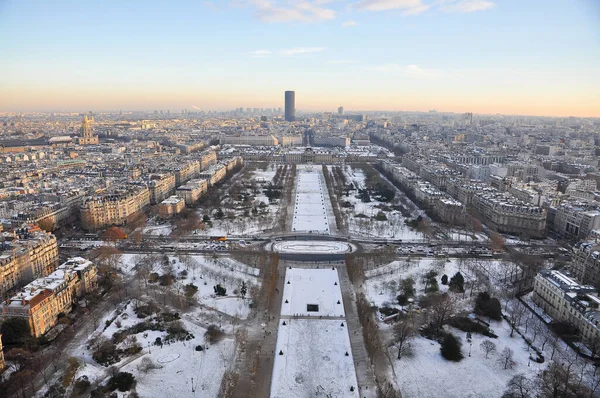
(290, 106)
(341, 110)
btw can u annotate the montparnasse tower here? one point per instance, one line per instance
(87, 136)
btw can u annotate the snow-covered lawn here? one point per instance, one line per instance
(314, 361)
(206, 272)
(382, 282)
(320, 287)
(364, 225)
(310, 213)
(313, 246)
(177, 363)
(428, 374)
(381, 292)
(180, 363)
(159, 230)
(247, 218)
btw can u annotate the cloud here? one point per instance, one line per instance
(211, 5)
(260, 53)
(302, 50)
(342, 62)
(466, 5)
(413, 7)
(410, 71)
(298, 11)
(349, 23)
(408, 7)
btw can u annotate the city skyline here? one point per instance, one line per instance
(390, 55)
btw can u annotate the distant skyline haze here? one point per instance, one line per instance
(503, 56)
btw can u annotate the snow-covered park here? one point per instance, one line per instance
(310, 209)
(308, 286)
(426, 374)
(313, 246)
(205, 272)
(174, 369)
(313, 356)
(362, 216)
(313, 361)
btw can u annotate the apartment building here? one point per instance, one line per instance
(504, 213)
(585, 262)
(171, 206)
(42, 300)
(341, 141)
(51, 211)
(192, 191)
(564, 299)
(575, 219)
(161, 186)
(183, 171)
(232, 163)
(260, 140)
(114, 208)
(207, 158)
(290, 140)
(25, 255)
(214, 174)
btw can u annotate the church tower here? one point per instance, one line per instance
(87, 137)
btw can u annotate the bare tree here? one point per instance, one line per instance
(404, 332)
(507, 358)
(536, 329)
(555, 344)
(488, 347)
(550, 383)
(497, 241)
(545, 335)
(515, 314)
(441, 309)
(519, 386)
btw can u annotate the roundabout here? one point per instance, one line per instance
(313, 247)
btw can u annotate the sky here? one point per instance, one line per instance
(530, 57)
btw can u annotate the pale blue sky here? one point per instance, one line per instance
(505, 56)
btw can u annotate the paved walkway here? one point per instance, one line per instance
(364, 371)
(256, 369)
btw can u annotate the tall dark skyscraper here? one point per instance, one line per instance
(290, 106)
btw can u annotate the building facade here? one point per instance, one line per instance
(192, 191)
(161, 186)
(26, 256)
(290, 106)
(171, 206)
(114, 208)
(564, 299)
(585, 262)
(41, 301)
